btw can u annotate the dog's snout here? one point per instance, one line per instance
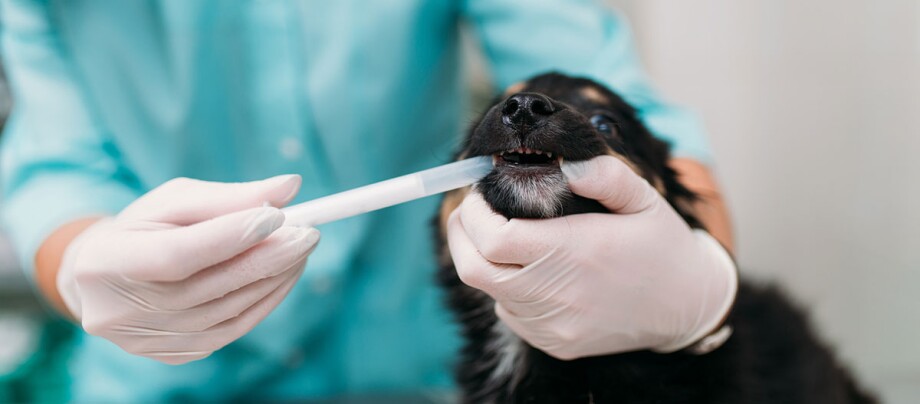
(526, 109)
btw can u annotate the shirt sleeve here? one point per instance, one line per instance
(522, 38)
(56, 162)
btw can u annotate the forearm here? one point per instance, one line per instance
(48, 260)
(710, 208)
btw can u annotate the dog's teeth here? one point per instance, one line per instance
(549, 154)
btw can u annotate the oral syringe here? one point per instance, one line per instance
(388, 193)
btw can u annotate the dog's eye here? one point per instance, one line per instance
(604, 124)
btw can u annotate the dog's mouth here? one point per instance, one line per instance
(526, 157)
(525, 182)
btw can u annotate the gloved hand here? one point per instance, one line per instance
(187, 268)
(597, 283)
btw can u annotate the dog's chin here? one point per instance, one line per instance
(533, 192)
(526, 192)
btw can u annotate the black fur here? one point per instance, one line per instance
(773, 355)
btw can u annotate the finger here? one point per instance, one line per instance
(184, 201)
(472, 268)
(226, 332)
(542, 332)
(177, 358)
(270, 258)
(184, 251)
(211, 313)
(178, 348)
(611, 182)
(515, 241)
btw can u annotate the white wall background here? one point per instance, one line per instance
(814, 113)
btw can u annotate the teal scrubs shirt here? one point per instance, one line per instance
(113, 98)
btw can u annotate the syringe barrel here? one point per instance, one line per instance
(455, 175)
(354, 201)
(387, 193)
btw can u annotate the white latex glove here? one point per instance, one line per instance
(187, 268)
(597, 283)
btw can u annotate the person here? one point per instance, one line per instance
(119, 105)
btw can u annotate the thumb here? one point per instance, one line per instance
(611, 182)
(185, 201)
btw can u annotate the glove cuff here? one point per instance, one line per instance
(66, 280)
(709, 335)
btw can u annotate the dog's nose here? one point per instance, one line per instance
(526, 109)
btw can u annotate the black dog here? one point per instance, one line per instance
(772, 357)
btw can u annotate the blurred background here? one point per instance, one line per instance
(814, 114)
(33, 348)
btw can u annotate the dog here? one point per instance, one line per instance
(773, 355)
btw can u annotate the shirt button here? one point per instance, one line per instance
(322, 285)
(291, 148)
